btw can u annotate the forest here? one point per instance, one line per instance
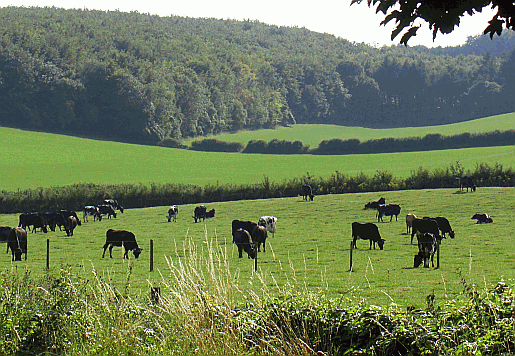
(143, 78)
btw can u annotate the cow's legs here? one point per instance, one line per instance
(105, 248)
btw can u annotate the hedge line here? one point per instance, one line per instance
(76, 196)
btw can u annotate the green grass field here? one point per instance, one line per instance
(32, 160)
(312, 135)
(310, 251)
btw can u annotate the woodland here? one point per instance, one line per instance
(143, 78)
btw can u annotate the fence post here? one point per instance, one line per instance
(351, 248)
(438, 254)
(47, 254)
(151, 255)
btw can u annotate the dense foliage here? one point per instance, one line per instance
(144, 78)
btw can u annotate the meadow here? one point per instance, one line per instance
(312, 135)
(32, 159)
(309, 253)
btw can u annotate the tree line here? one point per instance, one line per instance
(148, 79)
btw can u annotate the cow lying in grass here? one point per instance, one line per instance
(482, 218)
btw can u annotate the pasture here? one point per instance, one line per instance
(312, 135)
(32, 159)
(310, 251)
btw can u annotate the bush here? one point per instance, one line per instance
(212, 145)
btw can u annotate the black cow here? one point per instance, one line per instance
(121, 238)
(245, 225)
(366, 231)
(114, 204)
(388, 210)
(260, 236)
(468, 182)
(242, 239)
(307, 191)
(52, 220)
(66, 213)
(427, 245)
(443, 225)
(421, 226)
(34, 220)
(200, 213)
(482, 218)
(107, 210)
(17, 242)
(70, 224)
(375, 204)
(5, 231)
(91, 210)
(172, 213)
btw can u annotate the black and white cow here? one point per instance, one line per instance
(91, 210)
(34, 220)
(5, 231)
(269, 222)
(482, 218)
(388, 210)
(172, 213)
(70, 223)
(468, 182)
(17, 242)
(307, 192)
(114, 204)
(199, 213)
(106, 209)
(421, 226)
(366, 231)
(375, 204)
(242, 239)
(427, 245)
(121, 238)
(210, 214)
(66, 213)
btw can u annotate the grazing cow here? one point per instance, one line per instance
(91, 210)
(17, 242)
(269, 222)
(200, 213)
(443, 225)
(249, 226)
(114, 204)
(66, 213)
(210, 213)
(121, 238)
(468, 182)
(375, 204)
(242, 239)
(70, 224)
(52, 220)
(107, 210)
(482, 218)
(427, 245)
(409, 220)
(259, 237)
(307, 191)
(34, 220)
(366, 231)
(388, 210)
(420, 226)
(172, 213)
(5, 231)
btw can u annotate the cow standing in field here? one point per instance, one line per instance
(241, 238)
(388, 210)
(260, 235)
(421, 226)
(366, 231)
(200, 213)
(468, 182)
(114, 204)
(443, 225)
(409, 221)
(121, 238)
(172, 213)
(106, 209)
(53, 220)
(91, 210)
(70, 224)
(307, 191)
(269, 222)
(5, 231)
(375, 204)
(34, 220)
(17, 242)
(427, 245)
(66, 213)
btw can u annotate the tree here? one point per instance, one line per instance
(442, 16)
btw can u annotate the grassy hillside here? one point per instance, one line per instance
(313, 134)
(31, 160)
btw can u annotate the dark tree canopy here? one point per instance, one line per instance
(442, 16)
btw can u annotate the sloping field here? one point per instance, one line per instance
(32, 159)
(312, 135)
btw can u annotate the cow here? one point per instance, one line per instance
(366, 231)
(66, 213)
(409, 220)
(17, 242)
(307, 191)
(200, 213)
(245, 225)
(467, 182)
(427, 245)
(241, 238)
(443, 225)
(388, 210)
(114, 204)
(375, 204)
(34, 220)
(269, 222)
(121, 238)
(91, 210)
(172, 213)
(210, 214)
(106, 209)
(52, 220)
(420, 226)
(482, 218)
(70, 224)
(5, 231)
(259, 237)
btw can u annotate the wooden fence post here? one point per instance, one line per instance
(47, 254)
(255, 259)
(151, 255)
(438, 254)
(351, 248)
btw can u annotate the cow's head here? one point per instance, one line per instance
(381, 243)
(137, 252)
(17, 254)
(451, 234)
(417, 260)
